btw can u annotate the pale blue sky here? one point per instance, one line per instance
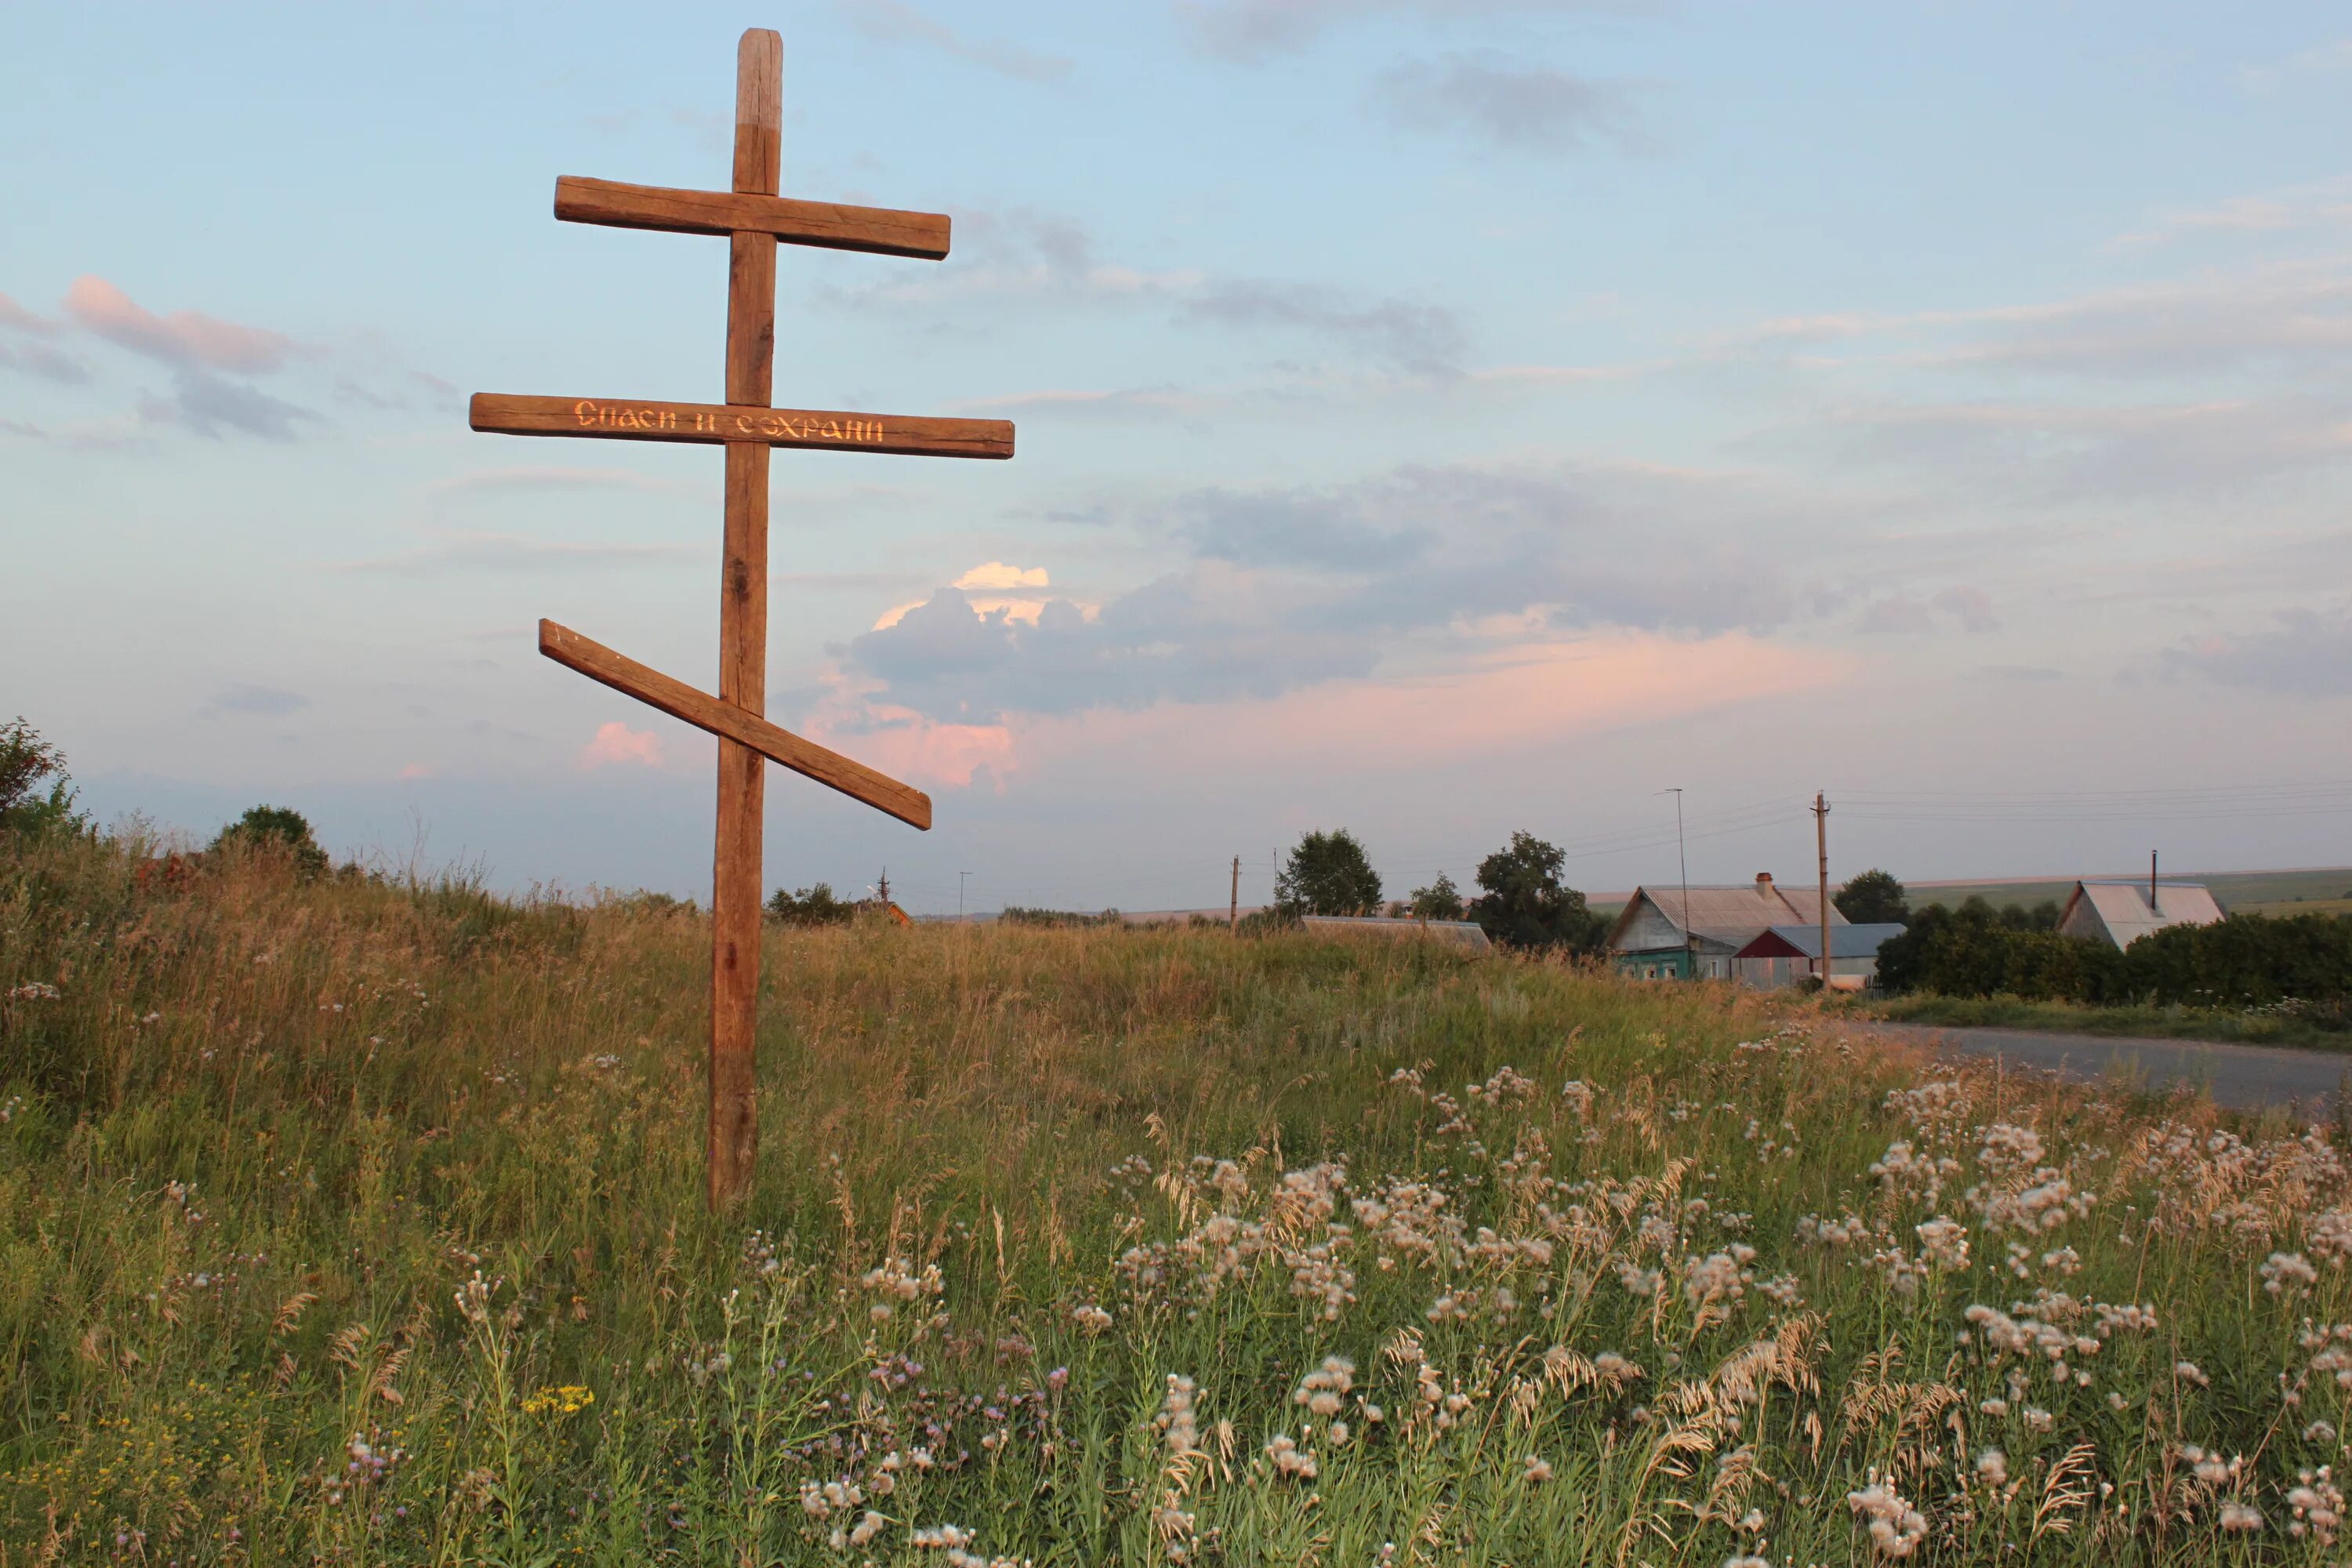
(1434, 419)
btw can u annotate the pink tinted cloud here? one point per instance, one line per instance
(12, 314)
(187, 337)
(616, 743)
(1509, 701)
(906, 745)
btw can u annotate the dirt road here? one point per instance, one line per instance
(2247, 1076)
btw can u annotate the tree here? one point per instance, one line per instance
(810, 907)
(1441, 900)
(275, 830)
(1328, 874)
(1526, 904)
(25, 761)
(1874, 898)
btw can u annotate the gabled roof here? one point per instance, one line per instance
(1733, 915)
(1460, 933)
(2121, 908)
(1805, 942)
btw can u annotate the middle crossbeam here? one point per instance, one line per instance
(634, 419)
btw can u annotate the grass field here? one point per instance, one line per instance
(358, 1223)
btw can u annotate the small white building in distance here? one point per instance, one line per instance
(2121, 911)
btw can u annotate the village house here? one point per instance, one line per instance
(1666, 933)
(2123, 912)
(1788, 955)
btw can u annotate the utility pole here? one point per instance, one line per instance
(1234, 920)
(960, 877)
(1821, 839)
(1690, 960)
(2151, 886)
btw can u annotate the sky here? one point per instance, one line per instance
(1434, 419)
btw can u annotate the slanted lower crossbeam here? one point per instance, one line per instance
(728, 722)
(755, 218)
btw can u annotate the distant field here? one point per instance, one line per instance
(2298, 907)
(2270, 891)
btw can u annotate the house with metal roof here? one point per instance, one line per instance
(1671, 933)
(1452, 933)
(1789, 956)
(2123, 912)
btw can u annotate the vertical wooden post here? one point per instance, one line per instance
(736, 864)
(1822, 841)
(1233, 918)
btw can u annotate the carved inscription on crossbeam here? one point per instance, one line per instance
(636, 419)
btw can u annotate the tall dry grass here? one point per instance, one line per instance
(359, 1221)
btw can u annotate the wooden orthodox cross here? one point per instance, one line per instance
(754, 217)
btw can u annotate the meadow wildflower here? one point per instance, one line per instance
(1895, 1526)
(1324, 1390)
(569, 1399)
(1945, 1243)
(2284, 1271)
(1291, 1462)
(1176, 1420)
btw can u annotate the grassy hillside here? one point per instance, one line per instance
(352, 1223)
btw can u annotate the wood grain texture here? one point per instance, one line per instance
(737, 868)
(700, 708)
(759, 110)
(814, 429)
(831, 226)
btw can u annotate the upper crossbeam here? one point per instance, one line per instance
(877, 231)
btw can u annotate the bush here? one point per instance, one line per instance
(25, 761)
(2245, 960)
(810, 906)
(1874, 898)
(1328, 874)
(1018, 915)
(1441, 900)
(1526, 905)
(275, 830)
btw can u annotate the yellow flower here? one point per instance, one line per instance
(567, 1399)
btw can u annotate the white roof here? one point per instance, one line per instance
(2122, 907)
